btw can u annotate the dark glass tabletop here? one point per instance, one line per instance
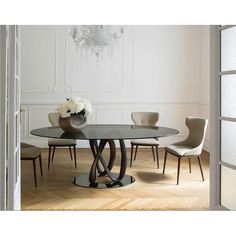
(110, 131)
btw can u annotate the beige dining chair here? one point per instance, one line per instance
(31, 153)
(148, 119)
(191, 146)
(53, 143)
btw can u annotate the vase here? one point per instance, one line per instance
(74, 123)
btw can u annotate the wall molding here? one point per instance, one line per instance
(138, 89)
(108, 111)
(53, 44)
(103, 110)
(69, 87)
(29, 117)
(43, 102)
(123, 93)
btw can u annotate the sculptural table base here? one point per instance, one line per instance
(100, 175)
(83, 181)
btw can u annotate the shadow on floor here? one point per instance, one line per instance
(150, 177)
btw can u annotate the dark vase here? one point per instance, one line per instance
(74, 123)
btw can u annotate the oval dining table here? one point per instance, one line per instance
(98, 136)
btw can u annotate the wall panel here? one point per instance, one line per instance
(153, 68)
(38, 59)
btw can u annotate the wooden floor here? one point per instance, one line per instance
(151, 190)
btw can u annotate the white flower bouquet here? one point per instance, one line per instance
(75, 105)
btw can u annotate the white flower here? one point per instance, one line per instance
(74, 99)
(75, 105)
(63, 110)
(79, 106)
(88, 108)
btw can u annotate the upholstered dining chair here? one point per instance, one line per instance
(191, 146)
(53, 143)
(31, 153)
(149, 119)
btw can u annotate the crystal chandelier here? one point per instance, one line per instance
(96, 37)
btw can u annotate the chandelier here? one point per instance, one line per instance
(96, 37)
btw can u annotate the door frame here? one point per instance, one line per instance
(215, 160)
(3, 118)
(13, 169)
(214, 114)
(10, 176)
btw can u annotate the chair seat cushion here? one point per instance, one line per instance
(145, 142)
(30, 152)
(61, 142)
(24, 145)
(181, 150)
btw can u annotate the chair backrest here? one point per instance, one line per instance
(145, 118)
(54, 118)
(197, 131)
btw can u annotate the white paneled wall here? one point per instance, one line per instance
(153, 68)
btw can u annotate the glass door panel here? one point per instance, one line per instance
(228, 189)
(228, 95)
(228, 142)
(228, 49)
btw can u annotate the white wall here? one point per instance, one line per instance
(204, 100)
(154, 68)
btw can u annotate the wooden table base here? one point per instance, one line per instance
(100, 175)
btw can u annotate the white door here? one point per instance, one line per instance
(223, 117)
(13, 153)
(3, 119)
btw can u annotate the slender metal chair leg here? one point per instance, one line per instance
(136, 149)
(40, 164)
(179, 159)
(70, 153)
(49, 156)
(157, 155)
(153, 154)
(53, 152)
(35, 177)
(75, 156)
(164, 165)
(131, 156)
(200, 165)
(189, 163)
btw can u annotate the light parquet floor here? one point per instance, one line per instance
(151, 190)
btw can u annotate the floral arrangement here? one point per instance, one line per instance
(75, 105)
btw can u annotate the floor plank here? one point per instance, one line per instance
(151, 191)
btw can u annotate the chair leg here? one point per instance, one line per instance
(157, 155)
(70, 153)
(135, 154)
(179, 159)
(153, 154)
(75, 156)
(164, 165)
(40, 164)
(200, 165)
(189, 163)
(53, 152)
(49, 156)
(35, 177)
(131, 156)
